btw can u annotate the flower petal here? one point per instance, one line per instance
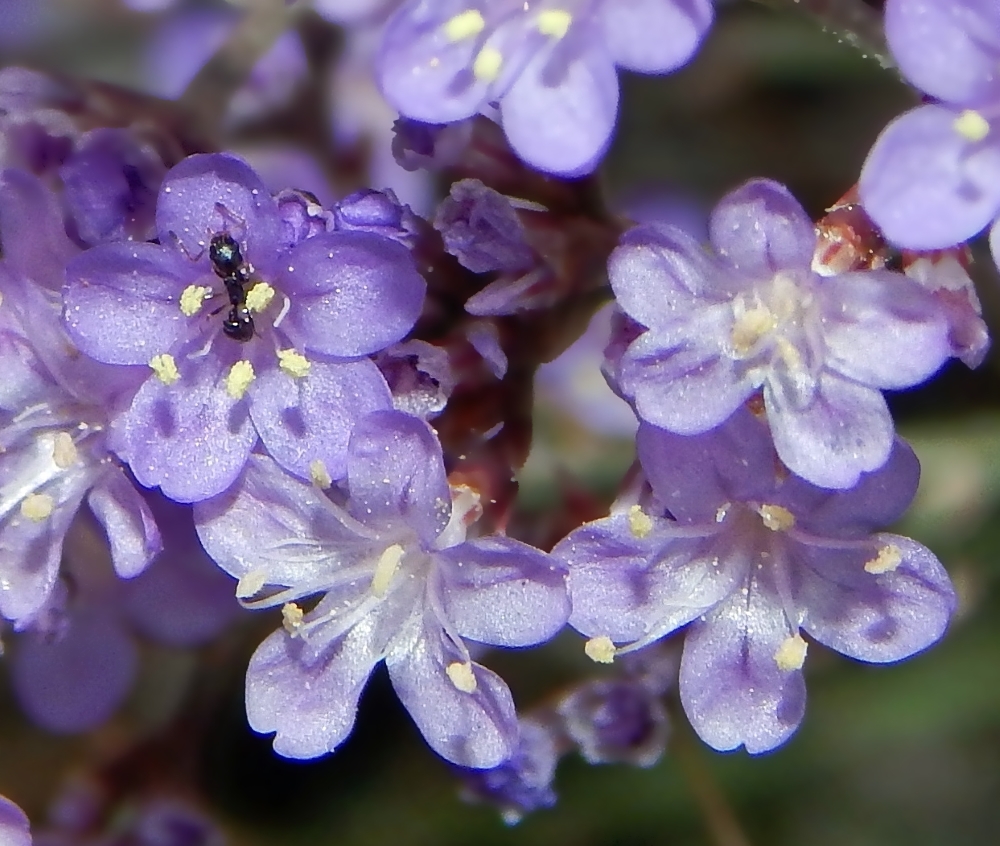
(731, 686)
(354, 293)
(191, 438)
(680, 377)
(655, 36)
(395, 474)
(940, 47)
(761, 229)
(299, 536)
(309, 706)
(561, 110)
(122, 301)
(131, 529)
(926, 185)
(883, 329)
(472, 729)
(77, 681)
(846, 431)
(503, 592)
(310, 419)
(875, 616)
(633, 586)
(209, 193)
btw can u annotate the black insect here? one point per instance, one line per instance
(230, 266)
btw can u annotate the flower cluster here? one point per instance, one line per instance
(220, 392)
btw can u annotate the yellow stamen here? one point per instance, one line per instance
(386, 568)
(192, 298)
(291, 617)
(467, 24)
(791, 655)
(37, 507)
(240, 376)
(320, 475)
(64, 452)
(639, 522)
(487, 66)
(259, 296)
(888, 559)
(165, 368)
(293, 363)
(600, 649)
(971, 125)
(462, 677)
(776, 518)
(554, 22)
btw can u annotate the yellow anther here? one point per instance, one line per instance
(293, 363)
(464, 25)
(600, 649)
(554, 22)
(192, 298)
(64, 451)
(240, 376)
(971, 125)
(386, 568)
(250, 584)
(487, 65)
(291, 617)
(37, 507)
(750, 327)
(259, 296)
(791, 655)
(165, 368)
(462, 677)
(320, 475)
(776, 518)
(639, 522)
(888, 559)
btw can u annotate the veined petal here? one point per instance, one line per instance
(131, 529)
(309, 706)
(471, 722)
(310, 419)
(732, 687)
(190, 438)
(500, 591)
(881, 602)
(122, 301)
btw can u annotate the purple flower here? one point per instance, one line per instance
(752, 315)
(272, 345)
(933, 177)
(615, 721)
(14, 829)
(110, 182)
(481, 229)
(748, 558)
(397, 582)
(550, 67)
(54, 406)
(522, 783)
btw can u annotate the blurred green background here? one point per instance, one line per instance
(906, 755)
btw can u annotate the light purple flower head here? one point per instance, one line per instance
(54, 409)
(933, 177)
(549, 66)
(746, 558)
(272, 345)
(752, 315)
(397, 582)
